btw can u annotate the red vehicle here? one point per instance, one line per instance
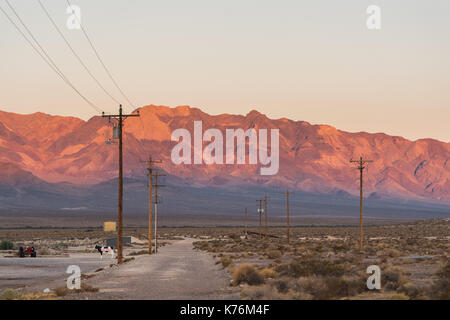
(28, 251)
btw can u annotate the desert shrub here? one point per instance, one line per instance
(394, 277)
(412, 241)
(411, 290)
(264, 292)
(444, 272)
(61, 245)
(309, 267)
(268, 273)
(312, 285)
(6, 245)
(247, 273)
(392, 252)
(341, 247)
(441, 286)
(226, 261)
(399, 296)
(274, 254)
(86, 287)
(282, 285)
(329, 287)
(441, 289)
(343, 286)
(245, 255)
(301, 296)
(138, 253)
(44, 252)
(61, 291)
(9, 294)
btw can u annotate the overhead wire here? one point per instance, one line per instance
(100, 59)
(75, 53)
(43, 53)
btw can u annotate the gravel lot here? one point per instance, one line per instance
(39, 272)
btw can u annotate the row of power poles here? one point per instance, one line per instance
(361, 165)
(150, 169)
(261, 210)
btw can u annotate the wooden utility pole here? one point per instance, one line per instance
(245, 223)
(265, 216)
(156, 185)
(260, 210)
(150, 163)
(120, 118)
(361, 162)
(287, 215)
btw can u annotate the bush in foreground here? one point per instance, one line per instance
(310, 267)
(441, 286)
(9, 294)
(247, 273)
(6, 245)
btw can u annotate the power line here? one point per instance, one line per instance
(287, 215)
(75, 54)
(361, 162)
(260, 210)
(150, 168)
(265, 216)
(47, 58)
(156, 185)
(120, 118)
(100, 59)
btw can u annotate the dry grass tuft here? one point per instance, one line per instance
(247, 273)
(274, 254)
(268, 273)
(393, 278)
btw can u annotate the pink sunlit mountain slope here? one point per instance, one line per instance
(313, 158)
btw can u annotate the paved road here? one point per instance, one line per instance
(176, 272)
(40, 272)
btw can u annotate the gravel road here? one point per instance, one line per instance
(175, 272)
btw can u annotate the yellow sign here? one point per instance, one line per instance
(109, 226)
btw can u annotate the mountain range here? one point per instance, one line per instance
(66, 156)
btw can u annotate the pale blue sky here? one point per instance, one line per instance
(305, 60)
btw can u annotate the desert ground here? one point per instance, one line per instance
(321, 261)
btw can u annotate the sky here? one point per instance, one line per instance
(314, 61)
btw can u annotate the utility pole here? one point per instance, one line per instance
(265, 213)
(120, 118)
(260, 210)
(287, 215)
(245, 223)
(156, 185)
(361, 162)
(150, 163)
